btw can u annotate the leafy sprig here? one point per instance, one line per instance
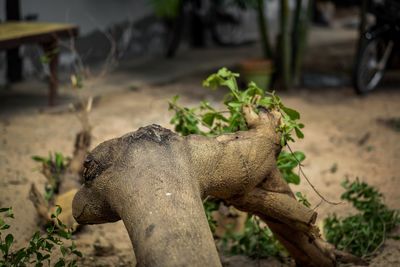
(364, 233)
(208, 121)
(52, 167)
(187, 120)
(256, 241)
(41, 247)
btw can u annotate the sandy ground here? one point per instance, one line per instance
(342, 130)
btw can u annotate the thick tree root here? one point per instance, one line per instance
(292, 223)
(153, 180)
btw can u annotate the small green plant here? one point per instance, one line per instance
(256, 241)
(40, 247)
(53, 167)
(208, 121)
(303, 199)
(287, 162)
(364, 233)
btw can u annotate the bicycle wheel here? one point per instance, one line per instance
(370, 64)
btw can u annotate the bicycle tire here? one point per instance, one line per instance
(369, 71)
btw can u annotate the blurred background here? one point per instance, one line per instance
(130, 33)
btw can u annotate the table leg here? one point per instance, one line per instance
(51, 56)
(14, 61)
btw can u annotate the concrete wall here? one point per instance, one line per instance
(88, 14)
(130, 23)
(94, 18)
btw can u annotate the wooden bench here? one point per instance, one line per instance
(47, 35)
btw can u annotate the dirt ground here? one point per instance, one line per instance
(345, 137)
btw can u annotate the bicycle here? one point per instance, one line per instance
(376, 45)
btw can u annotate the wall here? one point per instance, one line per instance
(129, 23)
(88, 14)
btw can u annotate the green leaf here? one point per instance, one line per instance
(175, 98)
(266, 102)
(225, 73)
(39, 159)
(208, 119)
(77, 253)
(213, 81)
(231, 84)
(300, 156)
(302, 199)
(64, 234)
(63, 250)
(4, 209)
(59, 160)
(4, 226)
(293, 114)
(235, 104)
(299, 133)
(19, 255)
(8, 242)
(60, 263)
(292, 178)
(58, 210)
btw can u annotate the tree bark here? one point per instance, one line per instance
(154, 180)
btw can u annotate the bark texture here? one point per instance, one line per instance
(155, 180)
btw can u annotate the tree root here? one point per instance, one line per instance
(292, 223)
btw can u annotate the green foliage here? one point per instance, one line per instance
(206, 120)
(166, 8)
(361, 234)
(56, 162)
(52, 167)
(287, 162)
(255, 241)
(40, 247)
(302, 199)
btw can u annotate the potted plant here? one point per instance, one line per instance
(283, 64)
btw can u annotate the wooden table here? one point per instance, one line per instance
(14, 34)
